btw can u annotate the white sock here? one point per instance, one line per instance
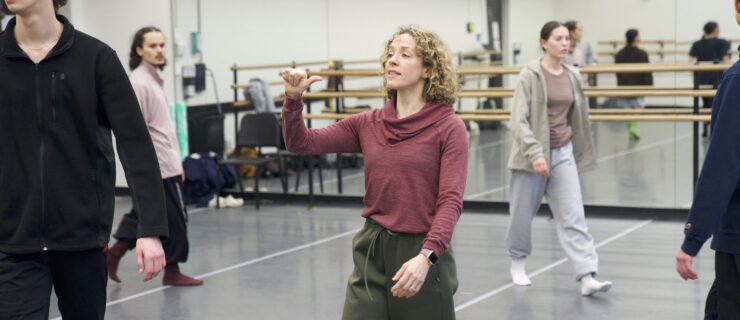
(518, 274)
(589, 285)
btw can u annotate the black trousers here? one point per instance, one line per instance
(176, 246)
(79, 279)
(723, 300)
(708, 104)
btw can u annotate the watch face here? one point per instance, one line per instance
(433, 257)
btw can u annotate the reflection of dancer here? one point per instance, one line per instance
(709, 48)
(61, 94)
(715, 211)
(416, 153)
(579, 52)
(552, 142)
(147, 55)
(631, 54)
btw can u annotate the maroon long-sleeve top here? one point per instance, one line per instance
(415, 167)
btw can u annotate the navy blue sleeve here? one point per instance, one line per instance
(693, 50)
(725, 49)
(721, 170)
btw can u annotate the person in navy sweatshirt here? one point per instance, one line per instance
(416, 154)
(716, 207)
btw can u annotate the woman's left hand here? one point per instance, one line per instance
(410, 277)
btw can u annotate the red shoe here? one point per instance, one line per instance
(173, 277)
(113, 258)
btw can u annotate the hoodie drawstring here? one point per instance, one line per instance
(371, 249)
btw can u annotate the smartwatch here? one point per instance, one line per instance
(432, 257)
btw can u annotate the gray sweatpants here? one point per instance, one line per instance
(563, 192)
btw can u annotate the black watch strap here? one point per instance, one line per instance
(432, 257)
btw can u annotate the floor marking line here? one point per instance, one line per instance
(239, 265)
(548, 267)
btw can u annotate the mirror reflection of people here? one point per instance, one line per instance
(552, 143)
(715, 211)
(579, 52)
(416, 154)
(146, 56)
(631, 53)
(710, 48)
(63, 95)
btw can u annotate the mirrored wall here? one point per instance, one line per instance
(655, 170)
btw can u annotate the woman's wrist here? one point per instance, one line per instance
(294, 96)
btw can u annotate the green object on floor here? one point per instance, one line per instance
(631, 128)
(179, 115)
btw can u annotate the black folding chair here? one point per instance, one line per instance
(258, 130)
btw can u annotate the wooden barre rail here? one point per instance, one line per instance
(599, 68)
(659, 53)
(660, 42)
(604, 88)
(622, 42)
(246, 103)
(601, 118)
(510, 93)
(345, 62)
(660, 111)
(652, 53)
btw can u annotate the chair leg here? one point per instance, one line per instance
(299, 172)
(310, 181)
(283, 176)
(218, 189)
(257, 186)
(239, 181)
(321, 178)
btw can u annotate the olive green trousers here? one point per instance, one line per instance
(378, 254)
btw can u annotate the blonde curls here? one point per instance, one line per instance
(442, 82)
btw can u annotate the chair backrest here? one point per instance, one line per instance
(259, 130)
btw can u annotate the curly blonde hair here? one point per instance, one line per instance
(442, 82)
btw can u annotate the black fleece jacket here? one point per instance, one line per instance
(57, 166)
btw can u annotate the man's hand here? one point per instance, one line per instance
(150, 256)
(683, 266)
(410, 277)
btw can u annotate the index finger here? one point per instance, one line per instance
(140, 260)
(285, 72)
(149, 268)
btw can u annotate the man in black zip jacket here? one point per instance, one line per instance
(61, 94)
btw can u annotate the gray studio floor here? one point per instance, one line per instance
(288, 262)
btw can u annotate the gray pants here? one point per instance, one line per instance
(563, 192)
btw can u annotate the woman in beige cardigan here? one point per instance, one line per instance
(551, 143)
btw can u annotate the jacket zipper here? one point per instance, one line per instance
(41, 157)
(53, 96)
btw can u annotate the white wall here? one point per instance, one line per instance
(522, 21)
(115, 22)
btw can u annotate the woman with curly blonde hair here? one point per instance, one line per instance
(416, 154)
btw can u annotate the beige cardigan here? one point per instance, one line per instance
(530, 127)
